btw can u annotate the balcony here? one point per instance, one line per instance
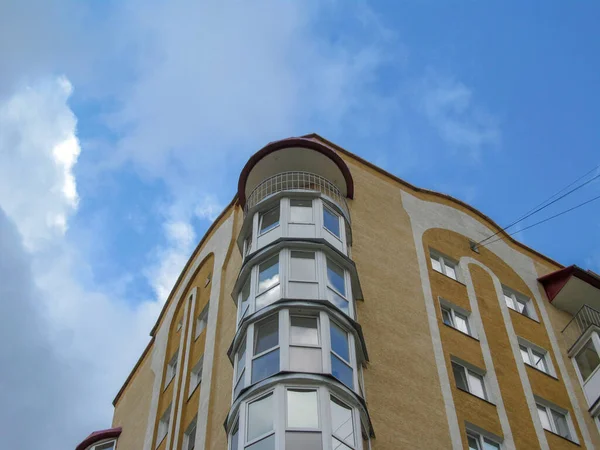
(296, 181)
(585, 318)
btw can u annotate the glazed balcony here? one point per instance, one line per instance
(585, 319)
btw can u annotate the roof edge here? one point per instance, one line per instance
(98, 436)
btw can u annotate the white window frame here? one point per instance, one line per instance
(186, 436)
(530, 348)
(284, 323)
(550, 407)
(454, 310)
(470, 369)
(171, 369)
(201, 322)
(516, 298)
(333, 212)
(594, 338)
(285, 259)
(280, 419)
(264, 213)
(483, 439)
(196, 376)
(277, 348)
(99, 445)
(163, 426)
(312, 209)
(444, 262)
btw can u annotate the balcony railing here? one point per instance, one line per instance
(585, 318)
(299, 182)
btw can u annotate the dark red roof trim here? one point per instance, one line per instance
(294, 142)
(555, 281)
(98, 436)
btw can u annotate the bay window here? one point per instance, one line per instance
(299, 417)
(336, 283)
(265, 360)
(331, 221)
(587, 360)
(305, 348)
(341, 367)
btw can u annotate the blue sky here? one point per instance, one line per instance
(124, 125)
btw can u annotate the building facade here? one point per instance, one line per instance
(334, 306)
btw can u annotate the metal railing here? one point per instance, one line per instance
(585, 318)
(296, 181)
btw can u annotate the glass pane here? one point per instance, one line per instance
(560, 421)
(460, 377)
(342, 424)
(342, 371)
(269, 220)
(239, 386)
(265, 444)
(191, 438)
(522, 307)
(268, 297)
(544, 418)
(476, 384)
(305, 359)
(339, 445)
(587, 360)
(299, 440)
(339, 342)
(264, 366)
(473, 442)
(301, 211)
(268, 274)
(450, 271)
(509, 301)
(241, 359)
(266, 335)
(304, 331)
(525, 354)
(303, 266)
(302, 409)
(245, 291)
(111, 446)
(260, 417)
(539, 361)
(335, 277)
(338, 301)
(447, 317)
(234, 437)
(461, 323)
(331, 221)
(436, 264)
(490, 445)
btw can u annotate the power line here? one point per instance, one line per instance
(545, 220)
(539, 207)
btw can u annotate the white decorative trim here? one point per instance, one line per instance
(217, 244)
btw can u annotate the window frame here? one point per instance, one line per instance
(98, 445)
(201, 322)
(171, 369)
(162, 430)
(594, 340)
(444, 261)
(196, 376)
(455, 310)
(482, 440)
(262, 214)
(530, 348)
(550, 408)
(312, 210)
(334, 213)
(276, 348)
(516, 298)
(186, 435)
(469, 369)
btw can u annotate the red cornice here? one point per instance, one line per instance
(294, 142)
(555, 281)
(97, 436)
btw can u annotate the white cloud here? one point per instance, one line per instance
(209, 208)
(38, 149)
(450, 108)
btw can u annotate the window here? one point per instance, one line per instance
(518, 302)
(260, 433)
(303, 266)
(189, 439)
(163, 426)
(266, 349)
(587, 360)
(469, 380)
(305, 347)
(331, 221)
(342, 426)
(268, 282)
(234, 439)
(443, 265)
(244, 299)
(302, 413)
(248, 244)
(301, 211)
(196, 376)
(534, 357)
(201, 321)
(240, 369)
(105, 446)
(171, 369)
(554, 420)
(179, 325)
(269, 220)
(341, 367)
(454, 318)
(479, 442)
(337, 286)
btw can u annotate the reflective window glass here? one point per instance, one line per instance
(302, 409)
(304, 331)
(331, 221)
(269, 220)
(260, 417)
(303, 266)
(268, 275)
(587, 360)
(266, 335)
(301, 211)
